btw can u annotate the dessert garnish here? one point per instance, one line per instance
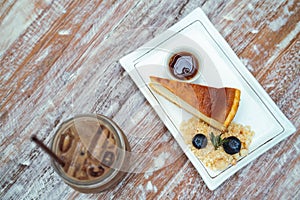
(217, 141)
(199, 141)
(231, 145)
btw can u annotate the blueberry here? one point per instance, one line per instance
(231, 145)
(199, 141)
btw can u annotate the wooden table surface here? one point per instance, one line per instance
(60, 58)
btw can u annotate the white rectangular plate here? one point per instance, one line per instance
(219, 67)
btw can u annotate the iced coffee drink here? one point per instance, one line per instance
(94, 151)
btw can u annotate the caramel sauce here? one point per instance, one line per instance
(183, 65)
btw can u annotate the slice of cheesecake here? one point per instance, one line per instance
(215, 106)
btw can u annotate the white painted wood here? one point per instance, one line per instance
(58, 59)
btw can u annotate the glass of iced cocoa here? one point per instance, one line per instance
(95, 153)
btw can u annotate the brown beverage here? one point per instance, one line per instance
(183, 65)
(94, 151)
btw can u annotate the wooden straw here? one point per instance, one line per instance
(47, 150)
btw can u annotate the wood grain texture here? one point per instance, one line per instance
(59, 59)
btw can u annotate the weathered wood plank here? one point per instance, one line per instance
(62, 61)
